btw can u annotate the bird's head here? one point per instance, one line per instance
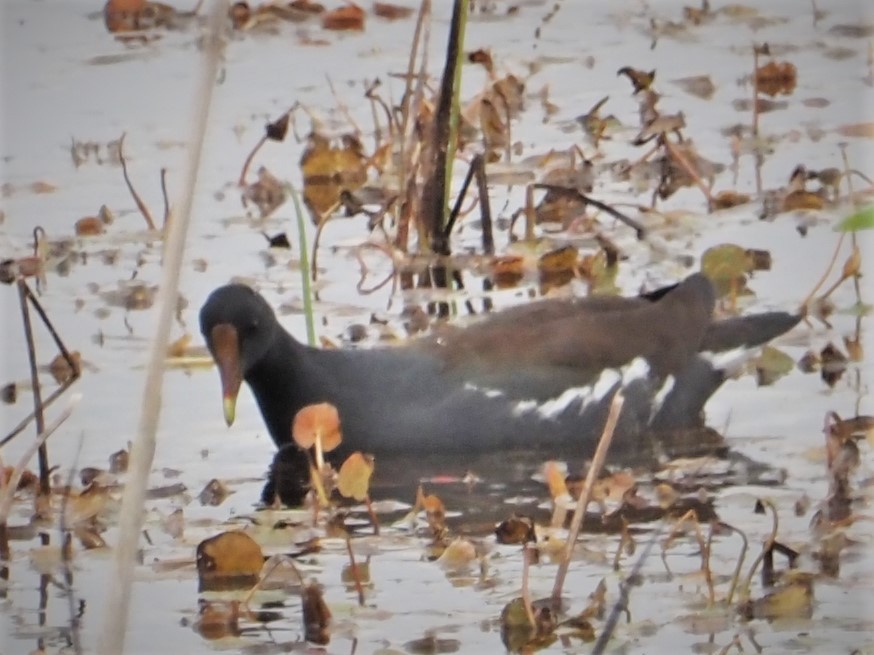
(239, 327)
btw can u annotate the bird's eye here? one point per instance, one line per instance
(252, 326)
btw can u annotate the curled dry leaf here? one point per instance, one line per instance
(353, 481)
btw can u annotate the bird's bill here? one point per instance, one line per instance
(226, 353)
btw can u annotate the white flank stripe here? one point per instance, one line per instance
(730, 361)
(659, 399)
(636, 369)
(488, 393)
(554, 407)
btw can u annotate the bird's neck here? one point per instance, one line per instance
(283, 381)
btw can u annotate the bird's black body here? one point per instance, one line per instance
(538, 376)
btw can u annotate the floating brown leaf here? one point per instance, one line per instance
(230, 560)
(391, 11)
(802, 200)
(729, 199)
(350, 17)
(776, 78)
(89, 226)
(62, 370)
(516, 530)
(329, 170)
(214, 493)
(861, 130)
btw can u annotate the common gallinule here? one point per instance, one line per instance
(538, 376)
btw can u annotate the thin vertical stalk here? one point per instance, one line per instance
(118, 593)
(44, 484)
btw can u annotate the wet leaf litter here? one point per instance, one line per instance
(587, 249)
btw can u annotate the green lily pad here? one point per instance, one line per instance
(861, 220)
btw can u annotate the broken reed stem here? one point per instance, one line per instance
(586, 493)
(526, 590)
(8, 491)
(139, 201)
(119, 587)
(44, 483)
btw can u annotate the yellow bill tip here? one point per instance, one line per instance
(230, 404)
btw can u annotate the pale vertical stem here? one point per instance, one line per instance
(586, 493)
(118, 592)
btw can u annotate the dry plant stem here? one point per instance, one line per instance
(317, 237)
(734, 643)
(703, 546)
(44, 483)
(279, 560)
(530, 213)
(526, 587)
(37, 306)
(828, 270)
(166, 198)
(139, 201)
(680, 158)
(373, 519)
(119, 588)
(639, 229)
(768, 545)
(356, 576)
(755, 120)
(735, 578)
(8, 491)
(479, 167)
(585, 495)
(246, 164)
(854, 239)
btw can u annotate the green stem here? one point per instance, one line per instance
(306, 286)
